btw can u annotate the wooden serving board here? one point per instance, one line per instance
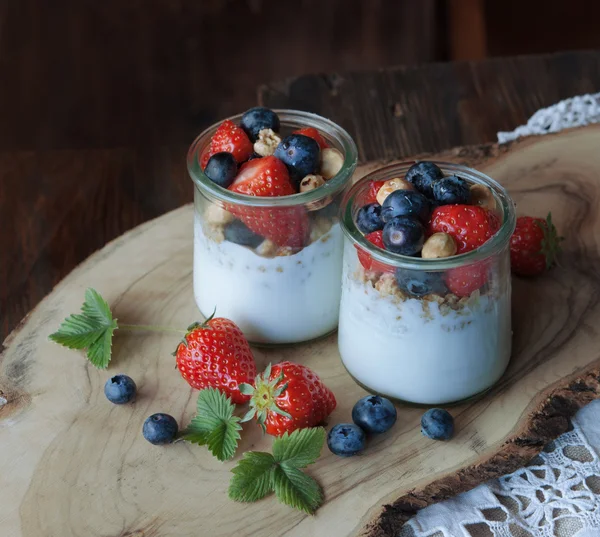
(74, 465)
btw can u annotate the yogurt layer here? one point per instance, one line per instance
(284, 299)
(419, 351)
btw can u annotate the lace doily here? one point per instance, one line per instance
(574, 112)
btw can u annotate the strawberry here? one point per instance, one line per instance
(287, 397)
(313, 133)
(269, 177)
(462, 281)
(366, 260)
(216, 354)
(371, 196)
(231, 139)
(534, 245)
(469, 225)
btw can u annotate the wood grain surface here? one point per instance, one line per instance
(75, 465)
(80, 169)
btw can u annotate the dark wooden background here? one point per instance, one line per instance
(99, 100)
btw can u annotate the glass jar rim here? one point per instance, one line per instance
(295, 118)
(495, 244)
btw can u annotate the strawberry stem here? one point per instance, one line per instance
(150, 328)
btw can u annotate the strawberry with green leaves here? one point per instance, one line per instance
(534, 245)
(228, 138)
(287, 397)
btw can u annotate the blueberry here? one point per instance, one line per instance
(238, 233)
(160, 429)
(368, 218)
(258, 118)
(406, 203)
(300, 154)
(221, 169)
(419, 283)
(374, 414)
(451, 190)
(437, 424)
(346, 439)
(120, 389)
(423, 175)
(403, 235)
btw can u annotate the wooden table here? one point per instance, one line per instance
(58, 206)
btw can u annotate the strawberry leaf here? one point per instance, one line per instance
(91, 330)
(296, 489)
(214, 425)
(300, 448)
(252, 477)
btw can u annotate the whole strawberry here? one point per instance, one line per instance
(469, 225)
(228, 138)
(287, 397)
(534, 245)
(216, 354)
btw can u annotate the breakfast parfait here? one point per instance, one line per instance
(425, 310)
(267, 241)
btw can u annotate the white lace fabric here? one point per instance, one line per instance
(558, 494)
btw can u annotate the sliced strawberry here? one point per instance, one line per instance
(231, 139)
(463, 281)
(313, 133)
(366, 260)
(371, 196)
(269, 177)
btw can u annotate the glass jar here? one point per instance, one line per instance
(402, 332)
(275, 294)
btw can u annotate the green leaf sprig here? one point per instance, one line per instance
(259, 473)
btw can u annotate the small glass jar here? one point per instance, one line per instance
(275, 294)
(402, 332)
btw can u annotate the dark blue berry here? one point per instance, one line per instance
(420, 283)
(160, 429)
(120, 389)
(346, 439)
(423, 175)
(406, 203)
(437, 424)
(300, 154)
(374, 414)
(258, 118)
(368, 218)
(403, 235)
(239, 233)
(254, 156)
(451, 190)
(221, 169)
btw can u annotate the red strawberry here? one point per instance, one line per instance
(216, 354)
(469, 225)
(269, 177)
(287, 397)
(372, 192)
(534, 245)
(463, 281)
(231, 139)
(313, 133)
(366, 260)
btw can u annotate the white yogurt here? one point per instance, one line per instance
(285, 299)
(422, 356)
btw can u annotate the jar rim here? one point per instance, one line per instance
(293, 118)
(495, 244)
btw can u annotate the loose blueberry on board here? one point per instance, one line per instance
(419, 283)
(120, 389)
(423, 175)
(221, 169)
(238, 233)
(437, 424)
(403, 235)
(406, 203)
(160, 429)
(374, 414)
(452, 190)
(368, 218)
(258, 118)
(300, 154)
(346, 439)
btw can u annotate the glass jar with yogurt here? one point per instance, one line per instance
(276, 293)
(421, 330)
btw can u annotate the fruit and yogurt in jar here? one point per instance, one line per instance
(425, 311)
(267, 241)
